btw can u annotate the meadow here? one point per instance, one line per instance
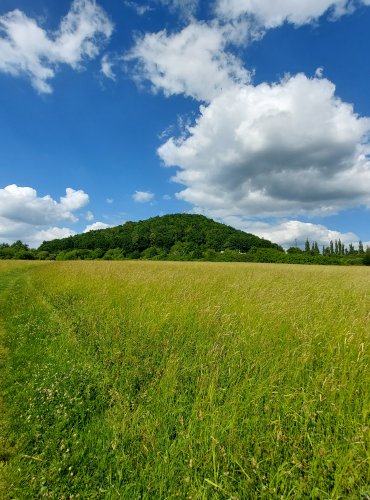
(161, 380)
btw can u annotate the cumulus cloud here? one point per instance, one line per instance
(293, 232)
(22, 204)
(74, 200)
(274, 150)
(96, 225)
(289, 233)
(25, 215)
(11, 231)
(273, 13)
(142, 196)
(193, 62)
(26, 49)
(51, 233)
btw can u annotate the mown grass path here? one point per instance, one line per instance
(186, 380)
(9, 274)
(4, 450)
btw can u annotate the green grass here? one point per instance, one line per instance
(162, 380)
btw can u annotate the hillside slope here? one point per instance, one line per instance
(169, 234)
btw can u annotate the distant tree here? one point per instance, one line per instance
(150, 252)
(113, 254)
(295, 249)
(22, 254)
(97, 253)
(197, 254)
(366, 258)
(42, 255)
(215, 240)
(340, 248)
(18, 245)
(315, 249)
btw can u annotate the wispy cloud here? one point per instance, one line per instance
(106, 67)
(139, 8)
(89, 216)
(186, 8)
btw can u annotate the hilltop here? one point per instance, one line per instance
(183, 237)
(173, 236)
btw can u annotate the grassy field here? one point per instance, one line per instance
(159, 380)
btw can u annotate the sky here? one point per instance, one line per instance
(255, 113)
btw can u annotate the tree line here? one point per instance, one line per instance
(335, 247)
(183, 237)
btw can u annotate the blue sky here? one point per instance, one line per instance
(253, 113)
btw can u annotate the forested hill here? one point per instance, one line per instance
(177, 234)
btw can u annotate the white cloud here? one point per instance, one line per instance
(96, 225)
(107, 68)
(51, 233)
(193, 62)
(273, 13)
(74, 200)
(166, 197)
(139, 8)
(89, 216)
(109, 201)
(291, 232)
(11, 230)
(274, 150)
(285, 232)
(26, 49)
(25, 215)
(142, 196)
(186, 8)
(33, 235)
(22, 204)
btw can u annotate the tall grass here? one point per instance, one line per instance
(185, 380)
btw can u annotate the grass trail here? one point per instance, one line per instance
(9, 273)
(186, 380)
